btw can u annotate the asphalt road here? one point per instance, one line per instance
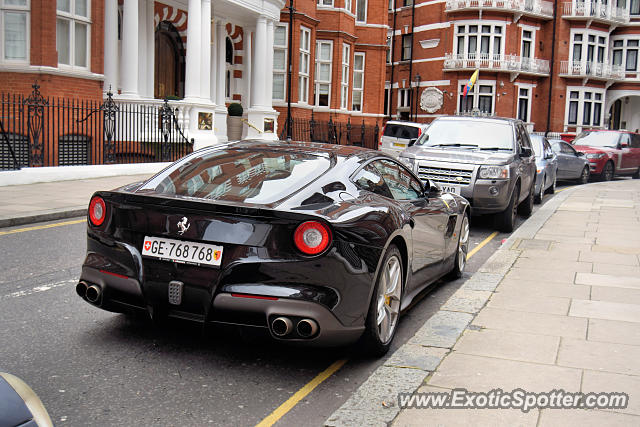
(91, 367)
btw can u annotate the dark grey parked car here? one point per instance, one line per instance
(488, 161)
(572, 164)
(546, 167)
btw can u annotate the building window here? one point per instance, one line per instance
(406, 47)
(483, 41)
(634, 7)
(625, 53)
(325, 3)
(585, 107)
(279, 61)
(404, 103)
(527, 39)
(324, 55)
(524, 95)
(303, 66)
(391, 4)
(387, 101)
(358, 81)
(14, 30)
(361, 10)
(347, 5)
(631, 63)
(73, 28)
(407, 3)
(479, 98)
(589, 48)
(617, 52)
(389, 46)
(344, 82)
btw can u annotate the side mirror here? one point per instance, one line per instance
(412, 141)
(548, 156)
(623, 145)
(526, 152)
(579, 154)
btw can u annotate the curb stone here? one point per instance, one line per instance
(50, 215)
(374, 403)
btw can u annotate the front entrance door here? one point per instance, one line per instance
(169, 63)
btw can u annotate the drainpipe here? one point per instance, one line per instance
(393, 48)
(289, 70)
(413, 18)
(553, 54)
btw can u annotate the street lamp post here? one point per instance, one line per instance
(291, 10)
(415, 116)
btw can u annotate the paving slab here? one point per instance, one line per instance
(555, 264)
(598, 356)
(529, 303)
(509, 345)
(535, 323)
(605, 310)
(614, 331)
(609, 258)
(442, 329)
(518, 288)
(542, 275)
(417, 357)
(616, 269)
(585, 418)
(467, 301)
(480, 373)
(614, 294)
(592, 279)
(605, 382)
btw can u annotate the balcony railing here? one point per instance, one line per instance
(507, 63)
(595, 11)
(527, 7)
(594, 70)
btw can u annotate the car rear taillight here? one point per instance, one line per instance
(312, 237)
(97, 211)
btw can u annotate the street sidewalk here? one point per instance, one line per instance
(557, 307)
(47, 201)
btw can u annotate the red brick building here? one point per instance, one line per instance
(559, 66)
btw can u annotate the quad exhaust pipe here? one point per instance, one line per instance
(281, 326)
(93, 293)
(307, 328)
(81, 289)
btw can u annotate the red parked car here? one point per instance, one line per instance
(610, 152)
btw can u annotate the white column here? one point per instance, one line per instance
(214, 66)
(259, 64)
(194, 43)
(111, 46)
(269, 68)
(247, 66)
(221, 33)
(142, 47)
(205, 59)
(151, 48)
(129, 73)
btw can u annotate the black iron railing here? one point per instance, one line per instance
(332, 132)
(39, 131)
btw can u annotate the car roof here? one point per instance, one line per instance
(400, 122)
(611, 130)
(479, 119)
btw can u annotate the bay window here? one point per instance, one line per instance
(279, 61)
(73, 28)
(303, 66)
(358, 81)
(625, 53)
(479, 41)
(324, 57)
(584, 106)
(14, 30)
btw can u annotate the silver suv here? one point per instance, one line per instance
(489, 161)
(398, 135)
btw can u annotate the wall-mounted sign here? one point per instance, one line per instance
(205, 121)
(269, 125)
(431, 99)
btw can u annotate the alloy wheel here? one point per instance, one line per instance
(388, 300)
(584, 178)
(463, 244)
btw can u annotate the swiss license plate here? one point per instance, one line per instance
(182, 252)
(447, 188)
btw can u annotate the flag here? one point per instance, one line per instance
(472, 81)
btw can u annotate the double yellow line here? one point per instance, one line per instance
(42, 227)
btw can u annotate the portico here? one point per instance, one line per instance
(202, 75)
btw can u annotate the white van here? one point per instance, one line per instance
(398, 135)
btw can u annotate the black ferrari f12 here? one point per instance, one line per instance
(322, 244)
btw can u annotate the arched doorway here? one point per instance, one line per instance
(229, 67)
(624, 110)
(169, 62)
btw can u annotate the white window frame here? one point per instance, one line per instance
(531, 40)
(581, 100)
(283, 71)
(584, 49)
(475, 91)
(494, 48)
(389, 46)
(410, 47)
(73, 18)
(528, 97)
(624, 51)
(344, 81)
(366, 7)
(303, 75)
(348, 5)
(404, 99)
(357, 89)
(319, 82)
(18, 9)
(324, 3)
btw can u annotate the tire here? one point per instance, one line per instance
(460, 262)
(584, 177)
(607, 172)
(636, 175)
(506, 220)
(552, 189)
(538, 197)
(385, 305)
(526, 207)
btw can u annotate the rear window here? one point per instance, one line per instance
(537, 145)
(401, 131)
(242, 176)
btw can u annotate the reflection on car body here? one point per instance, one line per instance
(318, 244)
